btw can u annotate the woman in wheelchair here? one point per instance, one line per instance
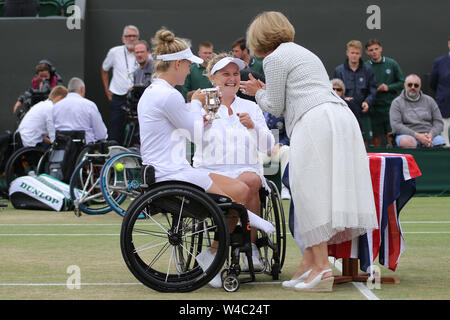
(231, 143)
(164, 120)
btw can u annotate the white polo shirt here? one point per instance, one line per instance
(165, 121)
(124, 64)
(77, 113)
(228, 147)
(37, 123)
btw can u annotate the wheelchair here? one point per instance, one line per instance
(60, 159)
(85, 191)
(180, 220)
(22, 160)
(120, 179)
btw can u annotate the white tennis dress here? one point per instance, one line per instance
(228, 147)
(165, 121)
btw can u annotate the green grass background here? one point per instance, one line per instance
(41, 260)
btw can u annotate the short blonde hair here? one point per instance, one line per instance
(165, 42)
(58, 91)
(215, 58)
(354, 44)
(267, 31)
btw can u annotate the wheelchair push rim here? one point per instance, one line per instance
(119, 185)
(180, 222)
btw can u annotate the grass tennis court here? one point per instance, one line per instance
(37, 247)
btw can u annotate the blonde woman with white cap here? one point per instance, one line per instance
(231, 143)
(164, 118)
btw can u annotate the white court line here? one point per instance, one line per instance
(366, 292)
(65, 284)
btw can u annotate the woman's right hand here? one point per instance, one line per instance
(198, 95)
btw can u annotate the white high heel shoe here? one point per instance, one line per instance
(290, 284)
(317, 284)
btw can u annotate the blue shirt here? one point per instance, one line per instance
(278, 124)
(440, 83)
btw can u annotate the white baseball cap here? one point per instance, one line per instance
(222, 63)
(180, 55)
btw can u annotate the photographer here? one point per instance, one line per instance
(46, 79)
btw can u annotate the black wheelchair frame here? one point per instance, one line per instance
(180, 221)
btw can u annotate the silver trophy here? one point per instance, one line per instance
(212, 102)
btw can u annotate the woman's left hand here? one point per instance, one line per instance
(246, 121)
(251, 86)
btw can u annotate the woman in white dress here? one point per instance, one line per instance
(329, 169)
(164, 122)
(231, 143)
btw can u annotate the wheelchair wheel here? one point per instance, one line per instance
(85, 189)
(22, 162)
(121, 175)
(180, 222)
(274, 247)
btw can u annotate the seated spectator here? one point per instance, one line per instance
(37, 125)
(231, 143)
(75, 112)
(21, 8)
(280, 152)
(360, 83)
(339, 88)
(46, 78)
(415, 117)
(143, 74)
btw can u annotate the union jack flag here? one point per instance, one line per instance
(393, 181)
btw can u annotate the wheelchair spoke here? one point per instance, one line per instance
(179, 215)
(150, 245)
(158, 255)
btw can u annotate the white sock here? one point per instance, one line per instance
(258, 222)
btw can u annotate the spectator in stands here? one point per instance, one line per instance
(231, 143)
(196, 78)
(240, 51)
(415, 117)
(390, 81)
(21, 8)
(46, 78)
(123, 62)
(280, 152)
(36, 127)
(75, 112)
(360, 84)
(440, 83)
(339, 88)
(143, 74)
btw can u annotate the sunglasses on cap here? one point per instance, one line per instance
(410, 85)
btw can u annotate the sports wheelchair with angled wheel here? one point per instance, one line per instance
(85, 190)
(172, 222)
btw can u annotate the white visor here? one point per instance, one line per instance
(222, 63)
(180, 55)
